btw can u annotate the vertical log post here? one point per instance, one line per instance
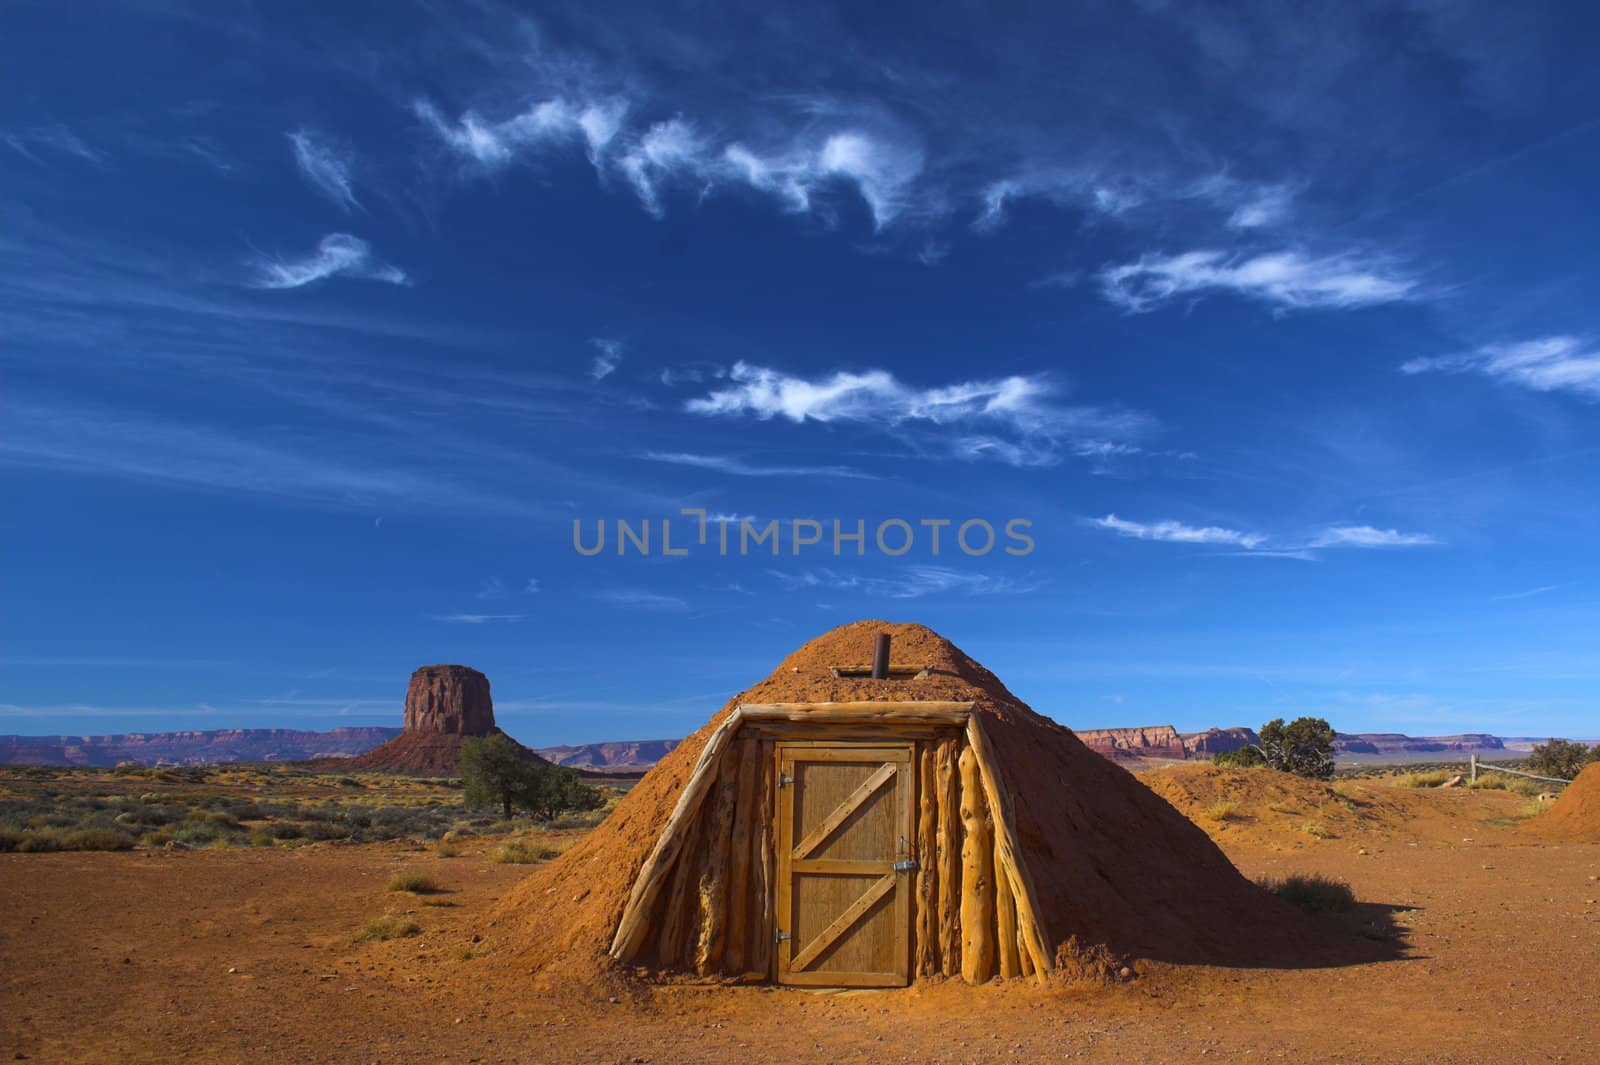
(676, 909)
(1005, 905)
(713, 887)
(948, 845)
(977, 876)
(761, 930)
(927, 860)
(743, 844)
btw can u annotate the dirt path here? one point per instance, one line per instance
(127, 958)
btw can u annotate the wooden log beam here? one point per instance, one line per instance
(764, 870)
(743, 849)
(713, 892)
(647, 885)
(949, 858)
(928, 861)
(861, 713)
(678, 912)
(977, 876)
(1005, 908)
(1035, 937)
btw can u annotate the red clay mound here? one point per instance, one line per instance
(1117, 869)
(1576, 814)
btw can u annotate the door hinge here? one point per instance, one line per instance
(784, 780)
(906, 865)
(782, 935)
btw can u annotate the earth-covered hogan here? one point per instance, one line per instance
(1013, 849)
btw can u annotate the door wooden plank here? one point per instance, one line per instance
(844, 921)
(841, 866)
(842, 812)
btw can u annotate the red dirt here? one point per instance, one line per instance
(1576, 814)
(1116, 869)
(125, 959)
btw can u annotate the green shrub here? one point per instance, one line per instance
(1313, 893)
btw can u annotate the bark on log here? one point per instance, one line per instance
(949, 855)
(761, 930)
(928, 861)
(651, 879)
(678, 909)
(743, 847)
(1005, 908)
(867, 713)
(713, 893)
(1030, 927)
(977, 876)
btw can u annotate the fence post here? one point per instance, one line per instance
(1474, 769)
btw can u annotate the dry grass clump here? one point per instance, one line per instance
(391, 926)
(1223, 811)
(414, 882)
(523, 852)
(1424, 780)
(1503, 782)
(42, 840)
(1316, 830)
(1313, 893)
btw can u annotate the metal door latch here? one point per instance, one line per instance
(906, 865)
(784, 780)
(782, 935)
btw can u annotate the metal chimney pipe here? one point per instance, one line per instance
(880, 656)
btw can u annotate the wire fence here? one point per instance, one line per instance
(1477, 765)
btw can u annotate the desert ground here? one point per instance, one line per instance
(218, 953)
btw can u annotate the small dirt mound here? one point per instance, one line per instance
(1265, 806)
(1118, 872)
(1575, 816)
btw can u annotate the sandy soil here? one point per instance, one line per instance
(250, 955)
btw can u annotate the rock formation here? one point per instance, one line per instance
(445, 706)
(1215, 741)
(452, 700)
(622, 754)
(210, 747)
(1149, 741)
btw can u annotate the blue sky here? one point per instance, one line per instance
(321, 329)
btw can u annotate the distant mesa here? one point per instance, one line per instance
(631, 755)
(446, 705)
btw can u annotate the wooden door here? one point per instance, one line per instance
(844, 822)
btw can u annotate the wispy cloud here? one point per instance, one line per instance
(493, 145)
(532, 587)
(1548, 364)
(1176, 532)
(326, 166)
(1367, 536)
(55, 139)
(794, 167)
(492, 588)
(1288, 280)
(636, 599)
(740, 468)
(911, 582)
(1261, 544)
(1527, 593)
(608, 355)
(1013, 419)
(338, 255)
(476, 619)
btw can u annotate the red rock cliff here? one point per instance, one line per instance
(449, 700)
